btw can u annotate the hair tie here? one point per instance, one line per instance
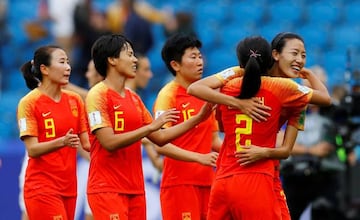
(32, 66)
(254, 53)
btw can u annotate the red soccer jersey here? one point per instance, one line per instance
(118, 171)
(294, 116)
(239, 129)
(41, 117)
(198, 139)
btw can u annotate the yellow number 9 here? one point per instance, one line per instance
(50, 127)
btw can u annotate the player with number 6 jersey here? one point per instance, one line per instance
(119, 120)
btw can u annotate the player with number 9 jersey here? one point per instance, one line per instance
(42, 117)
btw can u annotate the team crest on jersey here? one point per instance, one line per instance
(186, 216)
(57, 217)
(114, 217)
(74, 108)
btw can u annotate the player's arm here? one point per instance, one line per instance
(320, 93)
(177, 153)
(154, 156)
(206, 89)
(164, 136)
(251, 154)
(85, 142)
(216, 141)
(83, 153)
(36, 148)
(111, 141)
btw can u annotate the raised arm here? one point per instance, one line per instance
(206, 89)
(320, 92)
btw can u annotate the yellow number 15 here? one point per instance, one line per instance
(239, 118)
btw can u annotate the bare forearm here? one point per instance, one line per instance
(111, 141)
(178, 153)
(36, 149)
(164, 136)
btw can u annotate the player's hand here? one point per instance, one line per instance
(254, 109)
(305, 72)
(71, 140)
(208, 159)
(250, 154)
(171, 115)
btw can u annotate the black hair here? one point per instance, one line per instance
(175, 46)
(108, 46)
(254, 55)
(31, 69)
(279, 41)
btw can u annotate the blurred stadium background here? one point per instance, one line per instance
(330, 28)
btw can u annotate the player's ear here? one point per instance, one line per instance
(111, 60)
(175, 65)
(275, 54)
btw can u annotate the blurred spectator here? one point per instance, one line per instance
(89, 25)
(183, 23)
(60, 14)
(310, 175)
(134, 19)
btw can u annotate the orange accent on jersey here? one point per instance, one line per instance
(198, 139)
(294, 116)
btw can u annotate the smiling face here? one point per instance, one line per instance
(190, 69)
(59, 69)
(291, 59)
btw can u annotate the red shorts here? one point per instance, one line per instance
(248, 196)
(115, 206)
(184, 202)
(53, 207)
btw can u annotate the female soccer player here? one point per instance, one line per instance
(119, 120)
(288, 58)
(52, 124)
(254, 55)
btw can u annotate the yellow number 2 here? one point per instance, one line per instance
(241, 118)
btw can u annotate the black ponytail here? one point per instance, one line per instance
(31, 69)
(254, 54)
(31, 79)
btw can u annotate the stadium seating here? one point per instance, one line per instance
(329, 28)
